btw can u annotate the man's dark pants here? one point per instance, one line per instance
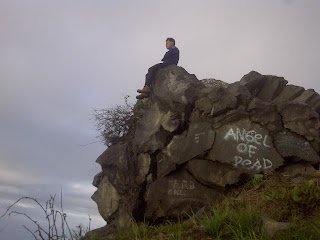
(152, 73)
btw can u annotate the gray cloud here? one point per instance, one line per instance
(59, 59)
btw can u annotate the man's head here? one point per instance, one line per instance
(170, 42)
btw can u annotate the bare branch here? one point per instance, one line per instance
(64, 216)
(4, 227)
(54, 222)
(84, 145)
(40, 234)
(61, 200)
(32, 220)
(51, 216)
(8, 209)
(30, 232)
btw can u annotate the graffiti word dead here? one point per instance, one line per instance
(180, 187)
(248, 164)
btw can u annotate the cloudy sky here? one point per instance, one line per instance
(59, 59)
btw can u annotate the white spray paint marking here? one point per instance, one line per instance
(197, 136)
(249, 143)
(247, 136)
(250, 165)
(180, 187)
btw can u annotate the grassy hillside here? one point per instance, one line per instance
(292, 200)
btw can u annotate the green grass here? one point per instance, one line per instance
(240, 223)
(168, 230)
(257, 179)
(298, 199)
(140, 230)
(244, 223)
(239, 218)
(171, 229)
(235, 222)
(301, 229)
(214, 221)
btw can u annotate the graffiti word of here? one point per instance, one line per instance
(180, 187)
(248, 164)
(197, 136)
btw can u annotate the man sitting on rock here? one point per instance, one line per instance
(171, 57)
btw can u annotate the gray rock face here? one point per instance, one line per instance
(177, 194)
(143, 167)
(222, 101)
(213, 174)
(107, 198)
(175, 88)
(247, 146)
(271, 227)
(213, 83)
(289, 144)
(254, 82)
(289, 93)
(301, 119)
(149, 138)
(117, 165)
(204, 105)
(265, 114)
(271, 88)
(196, 138)
(292, 170)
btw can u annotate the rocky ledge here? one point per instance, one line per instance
(196, 139)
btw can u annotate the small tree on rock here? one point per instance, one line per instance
(114, 122)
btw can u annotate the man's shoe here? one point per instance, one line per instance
(145, 89)
(143, 95)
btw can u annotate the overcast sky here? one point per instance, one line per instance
(59, 59)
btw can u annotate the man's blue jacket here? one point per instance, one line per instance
(171, 57)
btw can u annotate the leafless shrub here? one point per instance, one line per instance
(114, 122)
(52, 231)
(81, 231)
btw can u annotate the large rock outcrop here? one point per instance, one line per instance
(197, 138)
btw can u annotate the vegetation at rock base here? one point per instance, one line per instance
(238, 216)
